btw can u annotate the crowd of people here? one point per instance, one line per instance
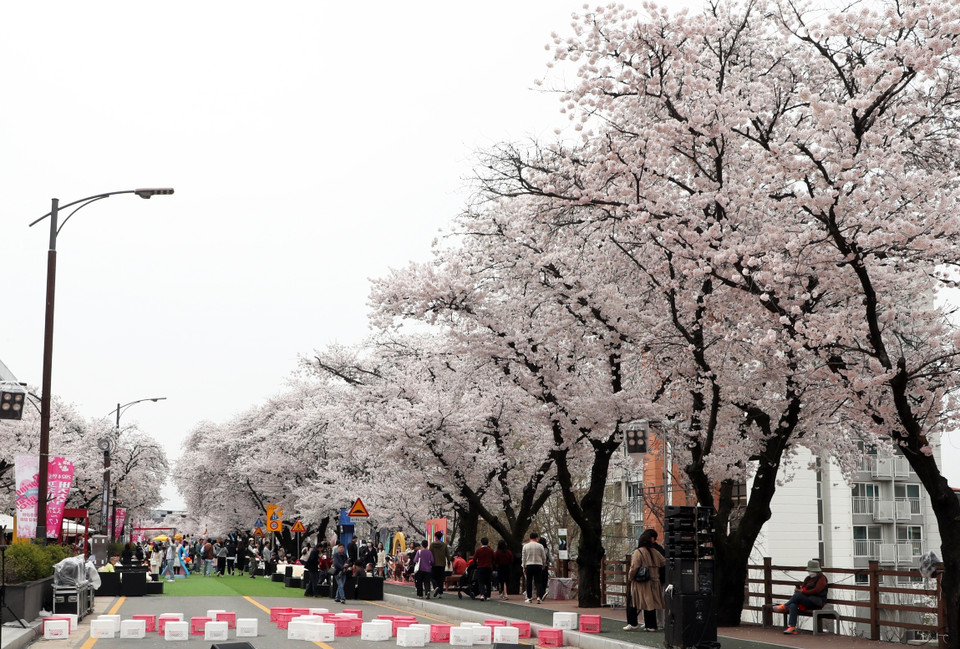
(207, 557)
(431, 565)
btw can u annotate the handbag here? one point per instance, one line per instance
(642, 574)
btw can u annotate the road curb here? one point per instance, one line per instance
(570, 638)
(16, 637)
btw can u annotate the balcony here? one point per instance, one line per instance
(904, 509)
(909, 551)
(884, 511)
(885, 468)
(888, 553)
(911, 504)
(864, 548)
(900, 553)
(864, 505)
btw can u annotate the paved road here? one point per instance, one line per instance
(449, 609)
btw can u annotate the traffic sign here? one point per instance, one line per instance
(258, 531)
(298, 527)
(259, 522)
(358, 510)
(274, 518)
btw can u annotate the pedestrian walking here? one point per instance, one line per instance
(441, 553)
(534, 560)
(423, 569)
(503, 563)
(340, 564)
(484, 557)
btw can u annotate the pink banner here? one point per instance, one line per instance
(59, 479)
(121, 519)
(27, 475)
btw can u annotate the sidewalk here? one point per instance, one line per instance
(612, 634)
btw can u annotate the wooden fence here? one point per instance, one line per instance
(871, 603)
(613, 583)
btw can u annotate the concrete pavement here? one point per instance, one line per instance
(449, 609)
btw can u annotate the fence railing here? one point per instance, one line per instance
(882, 608)
(613, 583)
(871, 602)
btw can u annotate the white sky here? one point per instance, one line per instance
(312, 145)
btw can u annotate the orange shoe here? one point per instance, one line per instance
(790, 630)
(780, 608)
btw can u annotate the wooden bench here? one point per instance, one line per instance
(816, 615)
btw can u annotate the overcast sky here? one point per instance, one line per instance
(312, 146)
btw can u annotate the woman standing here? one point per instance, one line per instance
(648, 593)
(423, 564)
(502, 562)
(156, 559)
(381, 561)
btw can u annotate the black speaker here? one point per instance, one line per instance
(232, 645)
(682, 574)
(677, 518)
(691, 620)
(507, 645)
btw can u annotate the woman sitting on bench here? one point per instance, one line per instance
(809, 596)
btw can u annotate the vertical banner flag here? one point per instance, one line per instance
(274, 518)
(60, 477)
(562, 543)
(121, 519)
(27, 476)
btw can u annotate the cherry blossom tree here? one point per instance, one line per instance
(795, 170)
(465, 429)
(139, 464)
(551, 322)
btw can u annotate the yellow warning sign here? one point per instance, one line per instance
(298, 527)
(258, 531)
(358, 510)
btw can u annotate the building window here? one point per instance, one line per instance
(911, 535)
(866, 541)
(909, 493)
(865, 497)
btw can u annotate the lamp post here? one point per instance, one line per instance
(106, 446)
(55, 208)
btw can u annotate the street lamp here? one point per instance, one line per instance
(106, 447)
(55, 208)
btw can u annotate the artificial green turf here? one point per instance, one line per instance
(198, 586)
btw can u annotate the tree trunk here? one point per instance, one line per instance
(469, 519)
(587, 513)
(589, 566)
(946, 507)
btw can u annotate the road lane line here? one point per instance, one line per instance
(257, 604)
(89, 642)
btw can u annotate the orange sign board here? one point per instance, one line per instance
(258, 531)
(358, 510)
(298, 527)
(274, 518)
